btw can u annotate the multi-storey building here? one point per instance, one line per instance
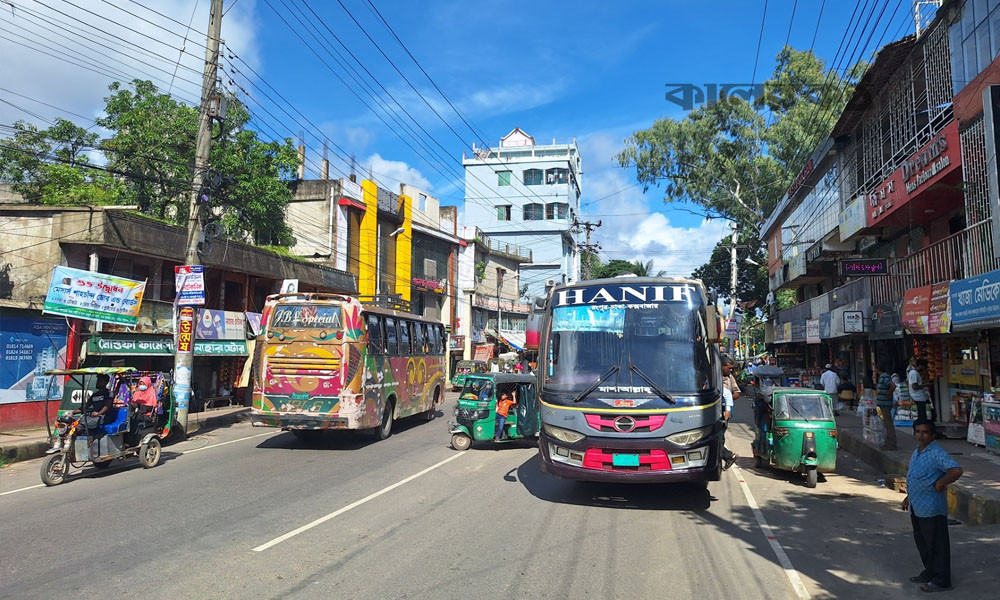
(528, 195)
(896, 258)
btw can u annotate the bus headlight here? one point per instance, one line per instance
(563, 435)
(686, 438)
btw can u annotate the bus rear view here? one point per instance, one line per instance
(630, 382)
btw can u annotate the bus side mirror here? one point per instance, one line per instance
(714, 324)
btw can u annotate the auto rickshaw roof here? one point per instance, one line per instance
(471, 362)
(92, 371)
(797, 390)
(502, 377)
(768, 371)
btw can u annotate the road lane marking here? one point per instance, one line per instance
(30, 487)
(249, 437)
(355, 504)
(786, 564)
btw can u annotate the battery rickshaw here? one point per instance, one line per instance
(795, 430)
(464, 368)
(475, 413)
(125, 430)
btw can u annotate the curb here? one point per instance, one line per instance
(20, 451)
(966, 502)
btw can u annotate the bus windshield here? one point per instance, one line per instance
(307, 316)
(664, 342)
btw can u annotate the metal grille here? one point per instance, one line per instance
(938, 67)
(977, 198)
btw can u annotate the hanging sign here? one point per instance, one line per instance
(916, 304)
(94, 296)
(185, 330)
(190, 283)
(940, 308)
(854, 321)
(812, 331)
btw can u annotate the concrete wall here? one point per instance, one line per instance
(311, 214)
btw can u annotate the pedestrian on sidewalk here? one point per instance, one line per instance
(730, 392)
(918, 391)
(883, 400)
(831, 385)
(931, 471)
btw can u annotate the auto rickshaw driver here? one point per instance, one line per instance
(92, 413)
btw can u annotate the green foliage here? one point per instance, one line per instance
(480, 270)
(785, 298)
(751, 283)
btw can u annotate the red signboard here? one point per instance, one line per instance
(936, 159)
(185, 330)
(916, 308)
(939, 308)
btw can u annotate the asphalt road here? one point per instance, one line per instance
(250, 513)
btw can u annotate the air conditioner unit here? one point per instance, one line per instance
(550, 283)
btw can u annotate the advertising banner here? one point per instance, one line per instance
(812, 331)
(975, 299)
(854, 321)
(916, 307)
(852, 220)
(29, 348)
(185, 330)
(939, 320)
(220, 325)
(94, 296)
(190, 283)
(253, 322)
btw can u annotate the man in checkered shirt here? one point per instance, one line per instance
(931, 471)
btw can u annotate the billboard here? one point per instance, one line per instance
(29, 347)
(94, 296)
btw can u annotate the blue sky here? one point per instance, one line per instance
(585, 70)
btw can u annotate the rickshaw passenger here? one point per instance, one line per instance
(92, 414)
(144, 397)
(503, 409)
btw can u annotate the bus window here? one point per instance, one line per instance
(390, 336)
(404, 338)
(435, 340)
(426, 346)
(444, 339)
(374, 335)
(418, 339)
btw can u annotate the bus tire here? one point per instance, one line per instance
(384, 428)
(429, 415)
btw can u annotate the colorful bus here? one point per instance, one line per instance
(325, 361)
(630, 382)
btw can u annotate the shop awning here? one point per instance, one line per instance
(514, 339)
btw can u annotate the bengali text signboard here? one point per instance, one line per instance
(94, 296)
(185, 330)
(975, 299)
(190, 283)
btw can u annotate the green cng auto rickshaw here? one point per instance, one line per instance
(795, 430)
(475, 414)
(463, 368)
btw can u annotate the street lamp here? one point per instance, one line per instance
(398, 231)
(751, 261)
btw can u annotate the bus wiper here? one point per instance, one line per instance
(662, 393)
(614, 369)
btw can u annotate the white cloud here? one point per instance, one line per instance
(510, 98)
(39, 63)
(394, 172)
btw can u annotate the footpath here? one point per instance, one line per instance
(32, 443)
(974, 499)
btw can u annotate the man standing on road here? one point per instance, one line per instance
(831, 384)
(918, 391)
(931, 471)
(729, 385)
(883, 400)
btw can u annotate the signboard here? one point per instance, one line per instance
(885, 322)
(253, 322)
(28, 348)
(190, 284)
(812, 331)
(220, 325)
(430, 284)
(824, 326)
(975, 299)
(798, 331)
(161, 346)
(351, 189)
(939, 310)
(185, 330)
(94, 296)
(220, 348)
(796, 266)
(862, 267)
(916, 305)
(484, 352)
(852, 219)
(154, 317)
(854, 321)
(289, 286)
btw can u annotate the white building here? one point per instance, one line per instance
(528, 195)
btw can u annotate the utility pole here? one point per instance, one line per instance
(733, 276)
(500, 272)
(183, 359)
(588, 247)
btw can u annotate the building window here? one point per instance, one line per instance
(553, 176)
(533, 177)
(503, 178)
(503, 212)
(556, 210)
(422, 202)
(974, 41)
(533, 212)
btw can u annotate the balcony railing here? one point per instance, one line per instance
(965, 254)
(848, 293)
(500, 247)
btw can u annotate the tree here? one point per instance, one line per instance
(645, 270)
(734, 160)
(716, 274)
(50, 166)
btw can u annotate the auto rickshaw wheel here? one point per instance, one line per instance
(460, 441)
(149, 453)
(54, 469)
(758, 461)
(812, 476)
(103, 464)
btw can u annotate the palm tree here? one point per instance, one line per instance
(645, 270)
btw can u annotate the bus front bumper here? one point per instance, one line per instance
(630, 461)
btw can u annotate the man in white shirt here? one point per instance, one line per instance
(918, 391)
(831, 384)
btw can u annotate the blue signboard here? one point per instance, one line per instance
(824, 326)
(28, 348)
(975, 299)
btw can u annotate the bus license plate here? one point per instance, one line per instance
(625, 460)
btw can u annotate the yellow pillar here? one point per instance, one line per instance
(368, 240)
(404, 250)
